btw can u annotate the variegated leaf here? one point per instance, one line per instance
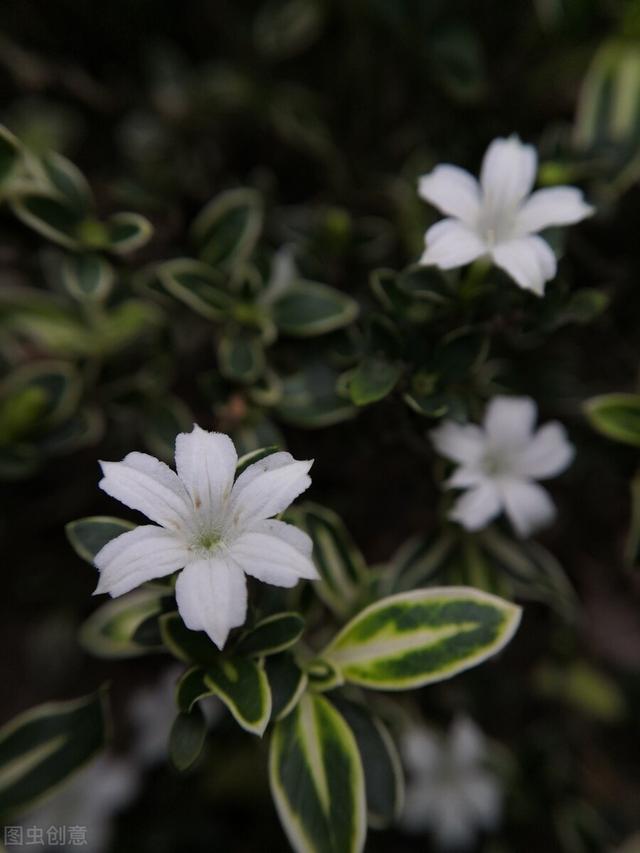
(317, 781)
(243, 687)
(420, 637)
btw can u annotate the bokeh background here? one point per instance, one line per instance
(331, 110)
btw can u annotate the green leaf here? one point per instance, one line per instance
(197, 285)
(88, 535)
(373, 379)
(68, 181)
(416, 638)
(287, 683)
(9, 155)
(421, 559)
(187, 738)
(240, 358)
(271, 635)
(308, 308)
(111, 631)
(309, 399)
(88, 277)
(191, 688)
(43, 747)
(243, 687)
(188, 646)
(617, 416)
(127, 232)
(227, 229)
(51, 216)
(317, 781)
(383, 776)
(340, 563)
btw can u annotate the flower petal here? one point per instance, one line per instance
(453, 191)
(509, 422)
(295, 537)
(212, 597)
(269, 463)
(528, 260)
(466, 743)
(271, 559)
(450, 244)
(553, 206)
(143, 483)
(462, 443)
(507, 174)
(475, 509)
(138, 556)
(527, 504)
(268, 492)
(206, 464)
(549, 453)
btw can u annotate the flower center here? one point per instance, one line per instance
(208, 541)
(495, 464)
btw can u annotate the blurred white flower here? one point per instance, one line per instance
(498, 217)
(214, 529)
(498, 463)
(152, 710)
(88, 801)
(450, 790)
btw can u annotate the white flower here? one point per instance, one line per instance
(498, 462)
(450, 790)
(498, 217)
(214, 529)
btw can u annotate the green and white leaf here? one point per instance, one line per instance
(317, 780)
(383, 774)
(227, 229)
(191, 688)
(373, 379)
(44, 746)
(287, 682)
(88, 535)
(50, 215)
(128, 232)
(308, 308)
(242, 685)
(110, 632)
(616, 416)
(188, 646)
(420, 637)
(241, 357)
(88, 277)
(340, 563)
(197, 285)
(271, 635)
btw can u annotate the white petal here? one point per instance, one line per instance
(462, 443)
(475, 509)
(422, 751)
(453, 191)
(549, 453)
(144, 483)
(528, 260)
(482, 797)
(528, 505)
(267, 493)
(464, 478)
(269, 463)
(137, 556)
(507, 174)
(509, 422)
(300, 540)
(466, 743)
(212, 597)
(553, 206)
(450, 244)
(270, 559)
(206, 464)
